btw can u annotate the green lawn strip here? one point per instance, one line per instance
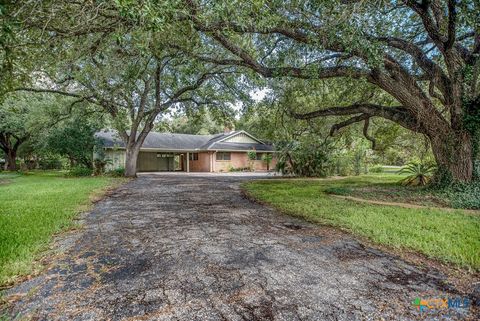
(450, 236)
(391, 191)
(35, 206)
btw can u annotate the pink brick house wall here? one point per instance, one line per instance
(237, 160)
(203, 163)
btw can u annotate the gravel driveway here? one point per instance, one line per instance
(178, 247)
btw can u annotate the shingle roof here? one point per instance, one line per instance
(241, 146)
(169, 141)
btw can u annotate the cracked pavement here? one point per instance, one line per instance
(192, 247)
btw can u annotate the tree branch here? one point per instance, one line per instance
(452, 20)
(53, 91)
(348, 122)
(422, 9)
(367, 136)
(430, 68)
(269, 72)
(397, 114)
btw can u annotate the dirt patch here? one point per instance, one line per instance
(5, 181)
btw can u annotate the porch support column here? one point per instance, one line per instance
(213, 161)
(210, 161)
(188, 162)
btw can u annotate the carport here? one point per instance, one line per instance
(161, 161)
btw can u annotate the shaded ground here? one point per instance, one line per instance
(395, 193)
(176, 247)
(405, 205)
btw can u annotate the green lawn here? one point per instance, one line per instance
(35, 206)
(450, 236)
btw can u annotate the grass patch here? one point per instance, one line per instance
(33, 207)
(465, 196)
(449, 236)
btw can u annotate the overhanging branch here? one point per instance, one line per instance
(348, 122)
(353, 120)
(397, 114)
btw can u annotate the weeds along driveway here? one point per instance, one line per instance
(179, 247)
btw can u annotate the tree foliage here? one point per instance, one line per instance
(74, 139)
(198, 122)
(424, 54)
(109, 57)
(24, 116)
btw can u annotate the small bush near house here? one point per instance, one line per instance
(117, 172)
(79, 171)
(252, 156)
(99, 166)
(239, 169)
(267, 158)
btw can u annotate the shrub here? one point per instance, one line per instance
(117, 172)
(50, 163)
(239, 169)
(419, 174)
(99, 165)
(267, 158)
(343, 167)
(376, 169)
(303, 159)
(79, 171)
(463, 195)
(252, 155)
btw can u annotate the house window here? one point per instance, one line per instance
(193, 156)
(223, 156)
(163, 155)
(259, 156)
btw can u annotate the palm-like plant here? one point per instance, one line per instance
(419, 174)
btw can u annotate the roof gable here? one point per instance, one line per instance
(241, 137)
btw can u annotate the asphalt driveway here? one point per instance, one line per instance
(177, 247)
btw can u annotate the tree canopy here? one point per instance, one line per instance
(424, 54)
(126, 68)
(414, 63)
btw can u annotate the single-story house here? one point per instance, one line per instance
(205, 153)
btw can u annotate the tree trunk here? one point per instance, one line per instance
(11, 158)
(131, 156)
(453, 154)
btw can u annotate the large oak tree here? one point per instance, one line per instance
(425, 54)
(99, 53)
